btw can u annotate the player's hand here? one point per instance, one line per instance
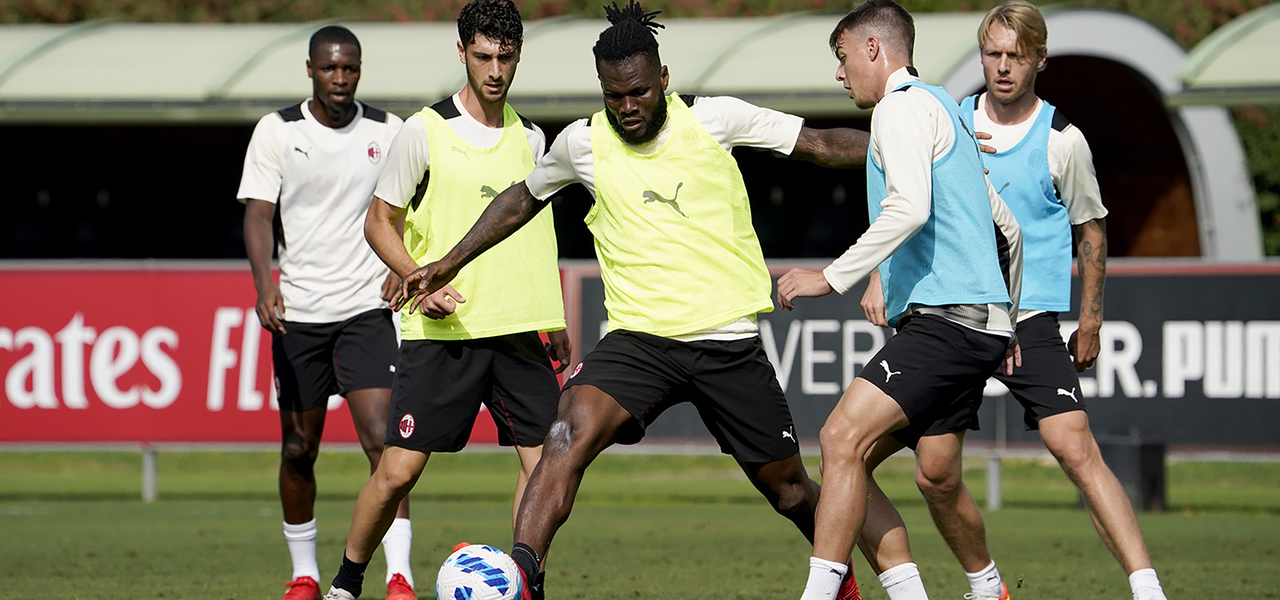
(799, 283)
(1084, 347)
(873, 301)
(559, 349)
(982, 135)
(440, 303)
(270, 309)
(416, 286)
(1012, 357)
(390, 287)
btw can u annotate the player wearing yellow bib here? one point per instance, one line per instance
(684, 279)
(475, 341)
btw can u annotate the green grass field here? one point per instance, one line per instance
(72, 527)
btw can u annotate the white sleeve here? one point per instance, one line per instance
(563, 164)
(537, 142)
(735, 122)
(407, 162)
(902, 141)
(263, 174)
(1008, 227)
(1071, 167)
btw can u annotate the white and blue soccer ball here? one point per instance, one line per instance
(476, 572)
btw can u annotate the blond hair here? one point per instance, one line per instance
(1026, 22)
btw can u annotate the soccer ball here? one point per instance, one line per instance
(475, 572)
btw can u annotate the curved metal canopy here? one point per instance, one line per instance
(157, 73)
(1236, 65)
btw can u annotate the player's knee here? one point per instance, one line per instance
(373, 443)
(299, 452)
(1078, 455)
(937, 482)
(396, 476)
(839, 444)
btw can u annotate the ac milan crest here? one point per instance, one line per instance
(406, 426)
(575, 371)
(375, 152)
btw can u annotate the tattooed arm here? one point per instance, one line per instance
(504, 215)
(1091, 248)
(833, 148)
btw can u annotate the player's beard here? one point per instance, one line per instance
(651, 129)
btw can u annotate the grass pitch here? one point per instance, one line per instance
(674, 527)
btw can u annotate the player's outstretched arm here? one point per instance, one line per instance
(258, 239)
(1091, 246)
(839, 148)
(504, 216)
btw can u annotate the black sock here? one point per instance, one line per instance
(350, 576)
(536, 590)
(527, 560)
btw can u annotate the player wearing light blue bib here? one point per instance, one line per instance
(1044, 171)
(948, 252)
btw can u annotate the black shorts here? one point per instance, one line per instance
(316, 360)
(731, 384)
(440, 385)
(935, 370)
(1046, 384)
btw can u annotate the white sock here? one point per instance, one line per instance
(301, 539)
(1145, 585)
(903, 583)
(824, 579)
(396, 545)
(985, 582)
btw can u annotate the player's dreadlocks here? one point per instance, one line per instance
(498, 20)
(631, 33)
(332, 34)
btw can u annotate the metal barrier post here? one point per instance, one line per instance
(994, 499)
(148, 473)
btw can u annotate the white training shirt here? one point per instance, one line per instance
(409, 160)
(730, 121)
(321, 180)
(914, 130)
(1070, 160)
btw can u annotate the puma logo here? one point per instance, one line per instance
(462, 151)
(302, 152)
(488, 193)
(786, 435)
(1071, 394)
(888, 373)
(652, 196)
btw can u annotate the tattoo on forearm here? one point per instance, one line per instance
(833, 148)
(1092, 251)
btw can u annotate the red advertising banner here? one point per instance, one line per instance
(138, 354)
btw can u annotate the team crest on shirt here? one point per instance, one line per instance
(575, 371)
(375, 152)
(406, 426)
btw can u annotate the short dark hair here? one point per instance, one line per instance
(498, 20)
(332, 34)
(631, 34)
(886, 17)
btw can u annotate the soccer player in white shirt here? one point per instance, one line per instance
(309, 173)
(1044, 168)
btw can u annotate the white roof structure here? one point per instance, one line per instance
(121, 73)
(1236, 65)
